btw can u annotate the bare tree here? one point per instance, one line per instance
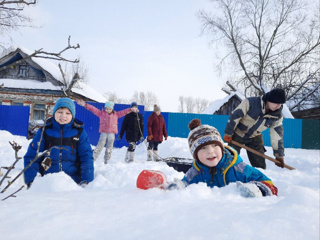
(113, 97)
(200, 104)
(270, 43)
(147, 99)
(189, 101)
(12, 16)
(73, 75)
(181, 104)
(192, 105)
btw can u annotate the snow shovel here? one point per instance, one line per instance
(260, 154)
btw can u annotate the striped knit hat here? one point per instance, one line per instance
(202, 135)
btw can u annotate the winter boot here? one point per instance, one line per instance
(156, 156)
(126, 159)
(149, 155)
(107, 156)
(131, 157)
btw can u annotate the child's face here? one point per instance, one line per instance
(210, 155)
(108, 110)
(63, 116)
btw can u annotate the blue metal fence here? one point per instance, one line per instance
(15, 120)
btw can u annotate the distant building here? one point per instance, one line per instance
(226, 105)
(36, 82)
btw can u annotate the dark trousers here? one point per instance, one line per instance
(153, 146)
(255, 143)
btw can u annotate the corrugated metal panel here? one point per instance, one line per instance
(15, 119)
(310, 134)
(178, 123)
(292, 133)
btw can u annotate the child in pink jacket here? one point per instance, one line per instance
(108, 126)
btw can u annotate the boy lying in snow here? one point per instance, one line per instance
(216, 165)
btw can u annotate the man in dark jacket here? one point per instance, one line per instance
(251, 118)
(133, 127)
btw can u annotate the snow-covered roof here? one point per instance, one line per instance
(44, 63)
(216, 105)
(83, 88)
(28, 84)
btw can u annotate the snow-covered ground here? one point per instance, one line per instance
(111, 207)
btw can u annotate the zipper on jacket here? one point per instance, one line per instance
(60, 153)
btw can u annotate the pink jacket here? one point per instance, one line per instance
(108, 122)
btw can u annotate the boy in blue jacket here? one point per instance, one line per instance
(218, 165)
(74, 154)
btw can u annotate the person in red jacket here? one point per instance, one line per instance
(108, 126)
(156, 131)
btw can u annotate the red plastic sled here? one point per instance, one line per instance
(151, 179)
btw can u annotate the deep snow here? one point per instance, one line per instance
(111, 207)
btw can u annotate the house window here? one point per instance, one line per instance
(17, 104)
(22, 71)
(38, 111)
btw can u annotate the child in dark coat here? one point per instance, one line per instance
(133, 126)
(156, 127)
(218, 165)
(74, 155)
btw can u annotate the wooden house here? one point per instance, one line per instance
(36, 82)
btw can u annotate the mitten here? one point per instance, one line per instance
(257, 189)
(227, 138)
(249, 190)
(46, 163)
(281, 162)
(176, 185)
(150, 137)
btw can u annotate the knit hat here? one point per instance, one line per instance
(133, 104)
(276, 95)
(109, 105)
(67, 103)
(156, 108)
(202, 135)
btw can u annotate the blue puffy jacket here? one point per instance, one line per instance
(75, 159)
(231, 168)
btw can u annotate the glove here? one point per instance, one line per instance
(257, 189)
(227, 138)
(281, 162)
(46, 163)
(166, 138)
(119, 137)
(150, 137)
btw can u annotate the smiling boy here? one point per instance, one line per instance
(218, 165)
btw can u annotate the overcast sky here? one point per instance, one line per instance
(128, 46)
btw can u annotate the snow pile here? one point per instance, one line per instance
(111, 207)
